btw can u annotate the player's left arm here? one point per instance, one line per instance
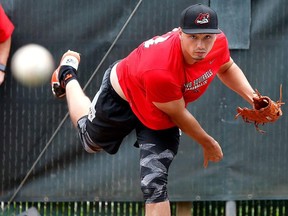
(233, 77)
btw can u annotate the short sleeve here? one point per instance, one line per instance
(6, 26)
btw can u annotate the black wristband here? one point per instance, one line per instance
(66, 74)
(3, 68)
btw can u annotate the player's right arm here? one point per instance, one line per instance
(188, 124)
(4, 54)
(6, 29)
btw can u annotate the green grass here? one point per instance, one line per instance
(199, 208)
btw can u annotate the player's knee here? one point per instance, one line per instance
(86, 141)
(154, 166)
(155, 190)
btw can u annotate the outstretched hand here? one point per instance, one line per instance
(213, 153)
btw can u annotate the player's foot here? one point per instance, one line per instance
(65, 72)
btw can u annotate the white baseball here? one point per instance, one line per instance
(32, 65)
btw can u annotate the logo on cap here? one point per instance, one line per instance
(203, 18)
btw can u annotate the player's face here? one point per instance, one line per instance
(195, 47)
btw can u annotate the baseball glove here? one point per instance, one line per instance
(264, 110)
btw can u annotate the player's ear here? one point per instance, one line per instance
(180, 33)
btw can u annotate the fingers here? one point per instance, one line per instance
(205, 164)
(212, 153)
(213, 159)
(216, 159)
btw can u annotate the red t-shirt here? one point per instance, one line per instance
(6, 26)
(156, 72)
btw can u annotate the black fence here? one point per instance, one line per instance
(41, 159)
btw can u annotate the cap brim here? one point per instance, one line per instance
(201, 31)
